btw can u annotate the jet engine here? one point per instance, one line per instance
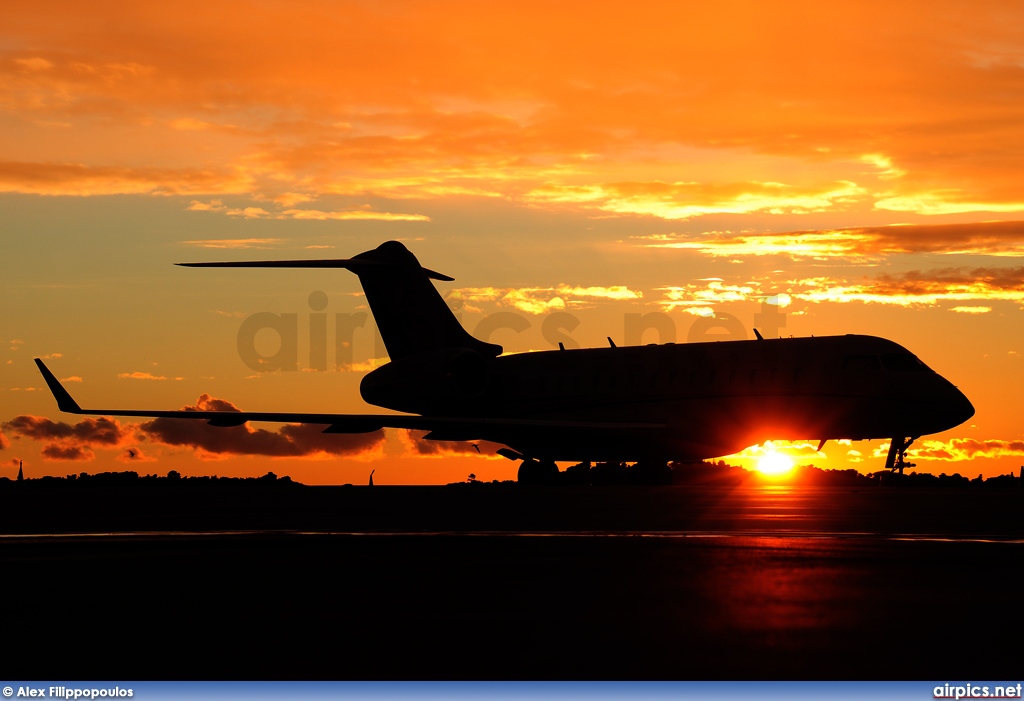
(466, 372)
(428, 382)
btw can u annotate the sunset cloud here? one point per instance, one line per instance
(416, 444)
(234, 244)
(291, 440)
(693, 199)
(932, 203)
(1003, 238)
(884, 164)
(538, 301)
(83, 180)
(140, 376)
(615, 292)
(912, 288)
(356, 214)
(416, 98)
(695, 297)
(541, 300)
(350, 215)
(797, 245)
(34, 64)
(926, 288)
(960, 449)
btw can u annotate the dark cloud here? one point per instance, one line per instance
(101, 431)
(942, 279)
(288, 441)
(4, 443)
(73, 442)
(917, 287)
(978, 238)
(60, 451)
(67, 441)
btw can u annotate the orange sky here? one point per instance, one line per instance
(599, 160)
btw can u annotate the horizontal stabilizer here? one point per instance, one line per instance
(353, 264)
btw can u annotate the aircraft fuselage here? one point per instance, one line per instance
(696, 401)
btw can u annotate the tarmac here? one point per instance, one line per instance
(508, 582)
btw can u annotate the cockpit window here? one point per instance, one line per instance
(902, 362)
(861, 362)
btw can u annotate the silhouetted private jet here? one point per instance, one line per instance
(682, 402)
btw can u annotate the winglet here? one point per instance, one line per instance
(64, 400)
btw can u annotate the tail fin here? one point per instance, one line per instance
(409, 311)
(411, 315)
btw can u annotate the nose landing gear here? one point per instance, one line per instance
(896, 459)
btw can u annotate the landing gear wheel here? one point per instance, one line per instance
(548, 471)
(530, 472)
(533, 471)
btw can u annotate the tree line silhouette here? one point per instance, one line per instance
(720, 473)
(173, 479)
(707, 473)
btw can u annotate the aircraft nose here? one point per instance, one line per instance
(952, 406)
(961, 406)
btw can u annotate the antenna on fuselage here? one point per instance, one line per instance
(611, 342)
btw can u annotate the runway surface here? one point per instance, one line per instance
(510, 583)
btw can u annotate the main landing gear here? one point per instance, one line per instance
(896, 459)
(533, 471)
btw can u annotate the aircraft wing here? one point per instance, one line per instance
(447, 426)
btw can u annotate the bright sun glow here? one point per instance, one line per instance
(773, 463)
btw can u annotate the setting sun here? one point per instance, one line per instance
(774, 464)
